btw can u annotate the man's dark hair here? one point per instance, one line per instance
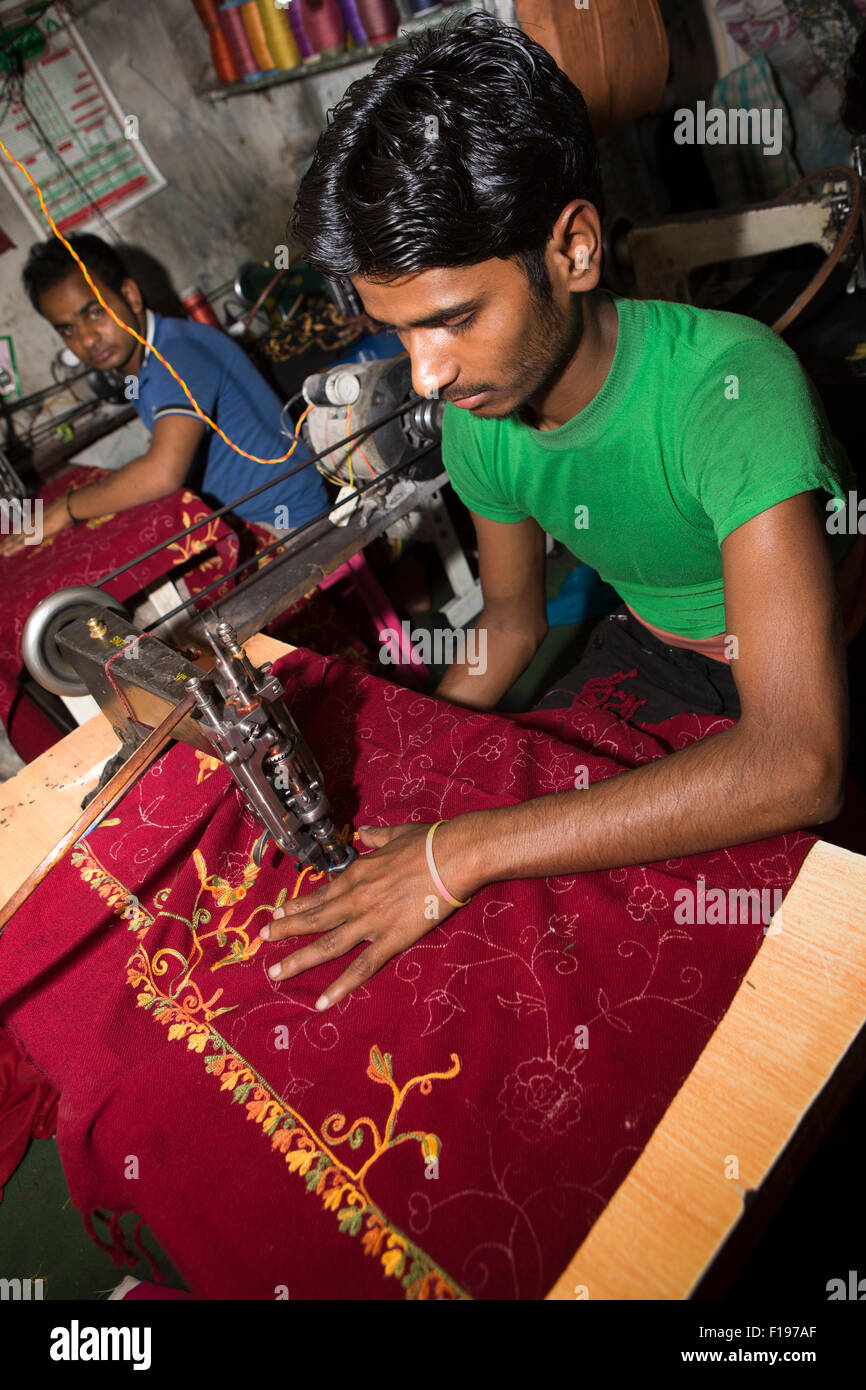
(49, 263)
(390, 192)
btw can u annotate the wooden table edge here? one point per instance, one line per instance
(797, 1013)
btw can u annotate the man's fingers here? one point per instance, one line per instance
(362, 968)
(333, 943)
(300, 907)
(324, 919)
(303, 917)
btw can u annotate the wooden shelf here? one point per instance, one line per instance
(361, 53)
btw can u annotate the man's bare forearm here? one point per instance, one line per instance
(137, 482)
(726, 790)
(506, 657)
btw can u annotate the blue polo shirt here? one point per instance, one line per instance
(230, 390)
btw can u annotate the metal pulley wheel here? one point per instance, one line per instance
(42, 656)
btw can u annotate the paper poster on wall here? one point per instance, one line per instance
(62, 113)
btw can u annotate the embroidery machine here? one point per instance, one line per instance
(81, 641)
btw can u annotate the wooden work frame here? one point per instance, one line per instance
(782, 1060)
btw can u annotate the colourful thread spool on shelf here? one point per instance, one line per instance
(353, 20)
(379, 18)
(323, 26)
(278, 34)
(232, 25)
(305, 48)
(197, 306)
(256, 35)
(220, 53)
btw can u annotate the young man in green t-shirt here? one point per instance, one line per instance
(681, 453)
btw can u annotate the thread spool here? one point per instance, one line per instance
(208, 13)
(232, 25)
(256, 35)
(220, 53)
(305, 48)
(197, 306)
(278, 35)
(323, 25)
(379, 18)
(352, 21)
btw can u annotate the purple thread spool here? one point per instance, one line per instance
(353, 21)
(305, 48)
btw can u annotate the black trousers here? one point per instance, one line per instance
(637, 677)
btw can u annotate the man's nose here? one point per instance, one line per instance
(432, 371)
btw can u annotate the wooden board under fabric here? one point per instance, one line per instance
(783, 1058)
(615, 51)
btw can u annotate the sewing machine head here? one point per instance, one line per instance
(240, 717)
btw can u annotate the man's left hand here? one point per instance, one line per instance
(387, 899)
(55, 518)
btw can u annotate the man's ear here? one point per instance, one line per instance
(576, 245)
(132, 294)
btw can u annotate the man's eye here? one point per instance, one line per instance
(95, 312)
(462, 326)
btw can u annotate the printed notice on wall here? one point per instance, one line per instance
(64, 124)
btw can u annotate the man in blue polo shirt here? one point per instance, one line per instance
(183, 450)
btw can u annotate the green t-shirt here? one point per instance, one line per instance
(705, 420)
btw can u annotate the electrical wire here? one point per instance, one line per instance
(247, 496)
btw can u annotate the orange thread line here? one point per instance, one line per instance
(133, 333)
(357, 450)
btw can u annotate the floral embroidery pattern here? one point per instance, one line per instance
(123, 903)
(207, 765)
(178, 1004)
(200, 540)
(542, 1096)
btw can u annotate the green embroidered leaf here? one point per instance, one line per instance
(288, 1122)
(416, 1273)
(221, 938)
(389, 1065)
(240, 1093)
(315, 1171)
(356, 1138)
(350, 1219)
(274, 1124)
